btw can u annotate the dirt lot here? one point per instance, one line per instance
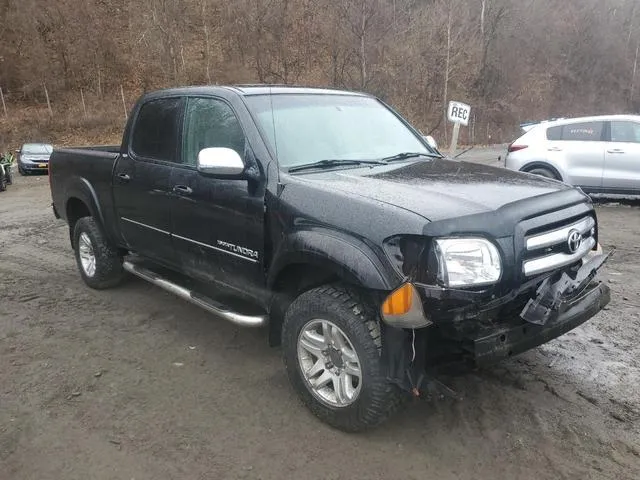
(134, 383)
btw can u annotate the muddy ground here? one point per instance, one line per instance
(135, 383)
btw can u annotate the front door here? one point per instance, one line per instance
(622, 158)
(142, 180)
(218, 227)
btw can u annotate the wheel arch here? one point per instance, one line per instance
(542, 164)
(82, 201)
(310, 259)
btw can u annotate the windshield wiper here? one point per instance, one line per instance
(405, 155)
(334, 163)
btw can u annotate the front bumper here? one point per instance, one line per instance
(561, 303)
(505, 342)
(34, 166)
(473, 328)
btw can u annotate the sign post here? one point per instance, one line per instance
(458, 113)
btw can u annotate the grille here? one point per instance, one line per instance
(559, 246)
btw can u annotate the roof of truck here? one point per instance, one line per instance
(254, 89)
(267, 89)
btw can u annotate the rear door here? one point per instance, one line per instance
(581, 151)
(142, 180)
(622, 158)
(218, 223)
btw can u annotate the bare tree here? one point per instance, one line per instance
(511, 59)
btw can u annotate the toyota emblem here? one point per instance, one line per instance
(574, 241)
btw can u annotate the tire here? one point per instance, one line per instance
(544, 172)
(375, 398)
(3, 181)
(107, 268)
(22, 171)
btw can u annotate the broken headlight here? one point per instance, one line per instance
(467, 262)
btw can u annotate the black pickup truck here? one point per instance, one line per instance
(326, 217)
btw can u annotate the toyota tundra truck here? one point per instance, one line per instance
(325, 217)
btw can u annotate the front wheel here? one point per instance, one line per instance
(100, 263)
(331, 348)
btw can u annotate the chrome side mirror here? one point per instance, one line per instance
(431, 141)
(223, 162)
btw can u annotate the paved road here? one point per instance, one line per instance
(485, 155)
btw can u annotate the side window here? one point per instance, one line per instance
(625, 132)
(554, 133)
(210, 123)
(155, 134)
(583, 132)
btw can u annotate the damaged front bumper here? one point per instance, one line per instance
(488, 330)
(560, 305)
(563, 317)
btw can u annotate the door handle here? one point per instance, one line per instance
(554, 149)
(182, 190)
(615, 150)
(124, 177)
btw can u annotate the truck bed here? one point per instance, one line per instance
(84, 173)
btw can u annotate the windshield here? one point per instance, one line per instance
(315, 127)
(37, 148)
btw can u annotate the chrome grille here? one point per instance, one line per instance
(552, 249)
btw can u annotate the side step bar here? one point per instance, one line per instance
(202, 302)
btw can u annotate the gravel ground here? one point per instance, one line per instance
(134, 383)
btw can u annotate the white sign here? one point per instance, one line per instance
(459, 113)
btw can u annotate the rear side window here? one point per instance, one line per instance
(583, 132)
(155, 134)
(554, 133)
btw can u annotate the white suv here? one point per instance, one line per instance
(599, 154)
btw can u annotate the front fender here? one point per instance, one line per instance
(350, 258)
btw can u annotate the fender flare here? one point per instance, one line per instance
(346, 256)
(81, 188)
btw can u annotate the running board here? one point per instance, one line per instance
(188, 295)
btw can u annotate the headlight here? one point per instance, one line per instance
(465, 262)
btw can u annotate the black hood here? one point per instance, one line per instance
(437, 189)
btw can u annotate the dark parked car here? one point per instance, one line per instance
(325, 217)
(34, 157)
(6, 170)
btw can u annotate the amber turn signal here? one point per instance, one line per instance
(403, 308)
(399, 302)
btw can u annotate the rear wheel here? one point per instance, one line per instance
(331, 346)
(544, 172)
(100, 263)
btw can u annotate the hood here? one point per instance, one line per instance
(436, 189)
(35, 157)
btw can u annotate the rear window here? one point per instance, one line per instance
(554, 133)
(577, 132)
(155, 134)
(583, 132)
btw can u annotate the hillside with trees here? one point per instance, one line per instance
(70, 70)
